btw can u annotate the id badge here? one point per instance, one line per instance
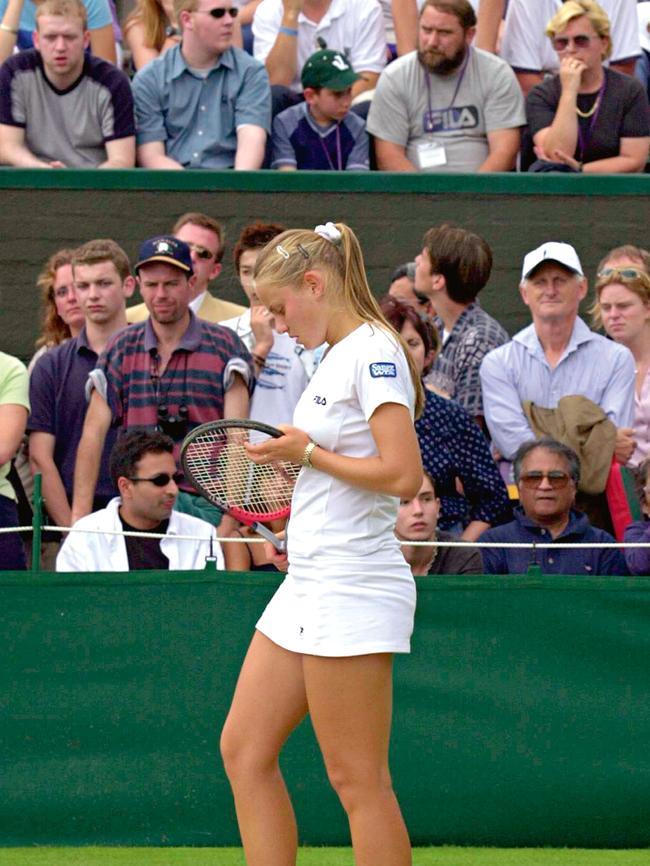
(431, 154)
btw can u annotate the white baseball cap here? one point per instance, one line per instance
(552, 251)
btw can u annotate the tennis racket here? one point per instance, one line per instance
(216, 464)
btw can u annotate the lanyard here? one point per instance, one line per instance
(585, 138)
(339, 158)
(427, 79)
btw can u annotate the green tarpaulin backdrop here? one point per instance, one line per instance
(522, 716)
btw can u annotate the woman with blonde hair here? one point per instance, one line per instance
(150, 30)
(325, 642)
(622, 308)
(588, 118)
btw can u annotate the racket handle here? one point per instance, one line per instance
(279, 544)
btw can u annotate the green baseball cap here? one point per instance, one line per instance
(329, 69)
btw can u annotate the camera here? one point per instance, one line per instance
(174, 426)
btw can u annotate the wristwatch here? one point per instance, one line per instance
(306, 455)
(170, 31)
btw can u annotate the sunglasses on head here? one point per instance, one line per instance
(200, 251)
(556, 479)
(162, 479)
(561, 43)
(626, 273)
(220, 11)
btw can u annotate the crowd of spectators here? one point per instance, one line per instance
(399, 85)
(519, 435)
(396, 85)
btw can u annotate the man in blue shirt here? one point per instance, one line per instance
(556, 356)
(547, 474)
(103, 282)
(203, 103)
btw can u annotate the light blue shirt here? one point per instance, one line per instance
(197, 118)
(98, 12)
(591, 366)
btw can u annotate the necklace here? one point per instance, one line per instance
(591, 110)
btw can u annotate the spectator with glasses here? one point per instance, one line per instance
(402, 288)
(143, 469)
(622, 308)
(205, 238)
(204, 103)
(587, 118)
(546, 474)
(525, 47)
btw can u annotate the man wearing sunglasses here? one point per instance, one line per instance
(204, 236)
(547, 474)
(143, 469)
(203, 103)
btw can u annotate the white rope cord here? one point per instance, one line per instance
(522, 545)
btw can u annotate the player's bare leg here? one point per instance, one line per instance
(350, 703)
(269, 702)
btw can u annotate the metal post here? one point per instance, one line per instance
(37, 524)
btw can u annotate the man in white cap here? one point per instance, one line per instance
(555, 357)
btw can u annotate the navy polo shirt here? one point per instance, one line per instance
(58, 407)
(302, 143)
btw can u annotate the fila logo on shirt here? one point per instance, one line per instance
(451, 119)
(383, 370)
(320, 401)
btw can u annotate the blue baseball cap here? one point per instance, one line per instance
(167, 249)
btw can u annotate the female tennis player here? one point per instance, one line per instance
(324, 644)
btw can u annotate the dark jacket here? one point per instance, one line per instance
(456, 560)
(638, 558)
(587, 561)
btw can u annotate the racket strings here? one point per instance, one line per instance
(219, 463)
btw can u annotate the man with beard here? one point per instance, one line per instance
(447, 107)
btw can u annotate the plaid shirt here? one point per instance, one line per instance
(199, 373)
(455, 370)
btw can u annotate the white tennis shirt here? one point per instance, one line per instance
(330, 517)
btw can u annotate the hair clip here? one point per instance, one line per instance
(284, 253)
(303, 252)
(330, 233)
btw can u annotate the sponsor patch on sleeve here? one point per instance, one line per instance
(383, 370)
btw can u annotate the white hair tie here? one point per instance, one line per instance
(330, 233)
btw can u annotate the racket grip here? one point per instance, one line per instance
(279, 543)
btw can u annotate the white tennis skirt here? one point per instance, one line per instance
(343, 607)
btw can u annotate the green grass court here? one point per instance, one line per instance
(447, 856)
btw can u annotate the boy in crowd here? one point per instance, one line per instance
(322, 133)
(417, 520)
(280, 370)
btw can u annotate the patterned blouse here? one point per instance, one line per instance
(453, 446)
